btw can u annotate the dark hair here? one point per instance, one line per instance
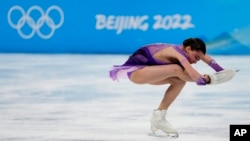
(195, 44)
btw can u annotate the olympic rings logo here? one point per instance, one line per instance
(35, 25)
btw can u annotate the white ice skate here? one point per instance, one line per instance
(158, 121)
(222, 76)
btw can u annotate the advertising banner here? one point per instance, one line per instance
(121, 26)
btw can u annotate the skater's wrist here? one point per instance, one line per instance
(203, 80)
(215, 66)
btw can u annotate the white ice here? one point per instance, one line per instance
(71, 98)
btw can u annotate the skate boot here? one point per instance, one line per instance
(158, 121)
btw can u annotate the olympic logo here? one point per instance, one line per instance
(35, 25)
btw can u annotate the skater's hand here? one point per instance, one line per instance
(205, 79)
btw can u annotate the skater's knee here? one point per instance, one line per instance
(177, 81)
(177, 69)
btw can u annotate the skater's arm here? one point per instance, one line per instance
(194, 75)
(212, 63)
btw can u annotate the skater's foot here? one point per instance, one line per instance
(158, 122)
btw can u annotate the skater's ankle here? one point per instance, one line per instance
(161, 109)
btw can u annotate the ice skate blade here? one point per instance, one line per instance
(166, 135)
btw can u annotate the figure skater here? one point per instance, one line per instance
(163, 63)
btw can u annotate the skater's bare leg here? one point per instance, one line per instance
(157, 74)
(165, 74)
(171, 93)
(158, 120)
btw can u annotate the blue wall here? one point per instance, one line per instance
(121, 26)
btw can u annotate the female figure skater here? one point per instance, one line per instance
(162, 63)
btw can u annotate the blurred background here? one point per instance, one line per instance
(121, 26)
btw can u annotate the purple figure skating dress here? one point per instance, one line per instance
(141, 58)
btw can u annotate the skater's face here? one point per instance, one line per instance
(193, 55)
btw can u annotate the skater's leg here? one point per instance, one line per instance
(158, 75)
(158, 120)
(155, 74)
(171, 93)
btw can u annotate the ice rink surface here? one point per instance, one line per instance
(71, 98)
